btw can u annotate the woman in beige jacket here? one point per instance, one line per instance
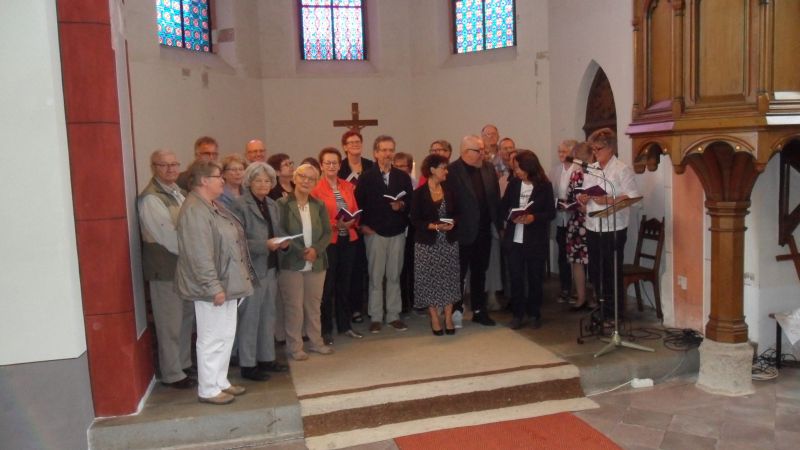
(214, 271)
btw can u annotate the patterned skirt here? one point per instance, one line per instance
(436, 273)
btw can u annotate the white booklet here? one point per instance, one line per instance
(278, 240)
(396, 197)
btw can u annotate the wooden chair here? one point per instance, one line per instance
(651, 230)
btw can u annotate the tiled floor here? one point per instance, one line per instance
(678, 416)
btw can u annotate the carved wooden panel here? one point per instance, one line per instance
(786, 49)
(601, 111)
(660, 50)
(721, 51)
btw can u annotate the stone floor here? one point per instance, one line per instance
(678, 416)
(672, 415)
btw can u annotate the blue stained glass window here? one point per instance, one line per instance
(483, 24)
(184, 23)
(332, 29)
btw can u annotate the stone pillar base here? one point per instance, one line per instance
(725, 369)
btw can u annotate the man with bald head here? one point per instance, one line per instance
(475, 183)
(159, 204)
(255, 150)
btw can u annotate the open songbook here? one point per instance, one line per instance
(396, 197)
(519, 212)
(574, 206)
(594, 191)
(346, 215)
(278, 240)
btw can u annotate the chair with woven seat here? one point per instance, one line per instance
(649, 230)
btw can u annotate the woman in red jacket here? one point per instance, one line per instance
(338, 196)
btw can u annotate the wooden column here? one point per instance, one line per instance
(728, 178)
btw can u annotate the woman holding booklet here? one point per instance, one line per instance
(528, 205)
(302, 265)
(577, 250)
(339, 198)
(434, 214)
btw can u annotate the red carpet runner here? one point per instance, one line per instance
(561, 431)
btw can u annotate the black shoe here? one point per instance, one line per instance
(577, 308)
(483, 319)
(254, 373)
(191, 371)
(272, 366)
(358, 318)
(186, 383)
(516, 323)
(437, 332)
(450, 331)
(536, 323)
(327, 339)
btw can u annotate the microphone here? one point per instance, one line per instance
(583, 164)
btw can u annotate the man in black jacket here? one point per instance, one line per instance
(383, 225)
(475, 183)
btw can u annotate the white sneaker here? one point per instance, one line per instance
(458, 319)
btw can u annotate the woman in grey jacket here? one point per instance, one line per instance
(303, 264)
(256, 327)
(215, 272)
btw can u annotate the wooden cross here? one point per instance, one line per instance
(355, 123)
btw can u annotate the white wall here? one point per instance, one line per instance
(411, 83)
(179, 95)
(776, 284)
(42, 315)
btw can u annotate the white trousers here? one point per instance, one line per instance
(385, 258)
(216, 328)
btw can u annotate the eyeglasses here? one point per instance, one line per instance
(477, 150)
(174, 165)
(234, 169)
(287, 164)
(330, 163)
(259, 151)
(306, 178)
(214, 176)
(352, 142)
(599, 147)
(210, 154)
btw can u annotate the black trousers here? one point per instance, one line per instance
(336, 291)
(526, 264)
(358, 277)
(564, 266)
(475, 259)
(602, 247)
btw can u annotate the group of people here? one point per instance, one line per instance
(258, 251)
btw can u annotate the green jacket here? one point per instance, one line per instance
(292, 258)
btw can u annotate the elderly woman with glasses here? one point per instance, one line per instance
(338, 195)
(233, 173)
(215, 272)
(303, 264)
(256, 330)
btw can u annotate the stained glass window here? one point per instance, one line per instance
(484, 24)
(184, 24)
(332, 29)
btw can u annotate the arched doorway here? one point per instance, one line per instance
(601, 111)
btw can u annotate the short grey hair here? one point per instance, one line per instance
(159, 152)
(255, 169)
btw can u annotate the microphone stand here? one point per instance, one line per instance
(615, 340)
